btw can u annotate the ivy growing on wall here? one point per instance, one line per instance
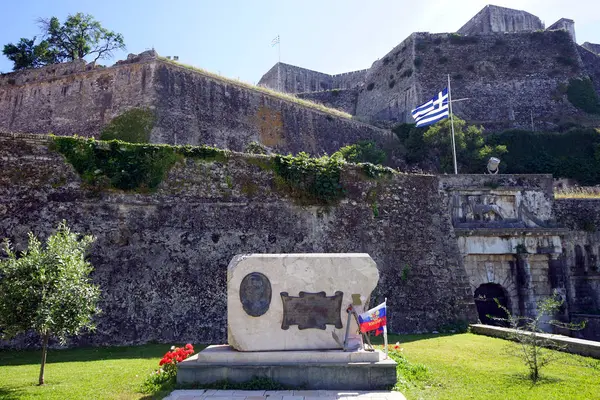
(127, 166)
(311, 180)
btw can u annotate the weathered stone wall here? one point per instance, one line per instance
(70, 98)
(566, 25)
(591, 65)
(291, 79)
(581, 257)
(500, 19)
(161, 258)
(341, 99)
(193, 108)
(593, 47)
(508, 78)
(391, 87)
(349, 80)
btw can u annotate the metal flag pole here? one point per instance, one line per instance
(279, 63)
(452, 124)
(385, 339)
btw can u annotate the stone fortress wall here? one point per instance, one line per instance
(593, 47)
(191, 107)
(500, 19)
(161, 258)
(503, 58)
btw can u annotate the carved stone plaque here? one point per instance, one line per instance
(255, 294)
(311, 310)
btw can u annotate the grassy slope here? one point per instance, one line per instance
(90, 373)
(468, 366)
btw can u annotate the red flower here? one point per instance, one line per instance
(189, 346)
(396, 347)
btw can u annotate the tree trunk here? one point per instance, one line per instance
(44, 351)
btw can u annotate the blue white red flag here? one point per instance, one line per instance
(275, 41)
(374, 319)
(432, 111)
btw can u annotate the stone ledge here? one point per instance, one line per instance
(228, 355)
(588, 348)
(311, 371)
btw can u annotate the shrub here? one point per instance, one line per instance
(370, 86)
(437, 40)
(470, 68)
(365, 151)
(392, 83)
(437, 50)
(386, 60)
(443, 60)
(566, 60)
(420, 45)
(581, 94)
(133, 126)
(418, 61)
(399, 66)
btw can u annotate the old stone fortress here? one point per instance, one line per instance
(439, 241)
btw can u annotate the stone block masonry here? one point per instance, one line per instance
(161, 258)
(191, 107)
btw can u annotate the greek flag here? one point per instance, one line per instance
(433, 111)
(275, 41)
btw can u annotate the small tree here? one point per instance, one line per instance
(48, 289)
(534, 349)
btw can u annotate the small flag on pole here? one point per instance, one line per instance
(275, 41)
(432, 111)
(374, 319)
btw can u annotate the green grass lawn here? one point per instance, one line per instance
(468, 366)
(88, 373)
(461, 366)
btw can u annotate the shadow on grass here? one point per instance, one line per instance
(27, 357)
(524, 380)
(6, 394)
(393, 338)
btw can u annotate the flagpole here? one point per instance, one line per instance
(385, 339)
(452, 124)
(279, 63)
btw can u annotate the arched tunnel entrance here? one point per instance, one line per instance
(487, 308)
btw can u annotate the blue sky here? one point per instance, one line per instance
(233, 38)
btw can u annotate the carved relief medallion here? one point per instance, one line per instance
(255, 294)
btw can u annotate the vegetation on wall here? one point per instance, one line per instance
(434, 144)
(127, 166)
(133, 126)
(311, 180)
(364, 151)
(572, 154)
(581, 94)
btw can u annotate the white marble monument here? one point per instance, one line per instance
(255, 274)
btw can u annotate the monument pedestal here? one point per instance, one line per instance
(310, 369)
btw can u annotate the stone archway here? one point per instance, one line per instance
(487, 307)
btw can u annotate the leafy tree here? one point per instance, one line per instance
(48, 289)
(80, 36)
(532, 346)
(26, 54)
(471, 150)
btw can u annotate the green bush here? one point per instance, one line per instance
(457, 38)
(365, 151)
(418, 61)
(370, 86)
(407, 73)
(133, 126)
(581, 94)
(573, 154)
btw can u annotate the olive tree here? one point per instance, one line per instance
(47, 289)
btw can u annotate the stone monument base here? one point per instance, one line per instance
(310, 369)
